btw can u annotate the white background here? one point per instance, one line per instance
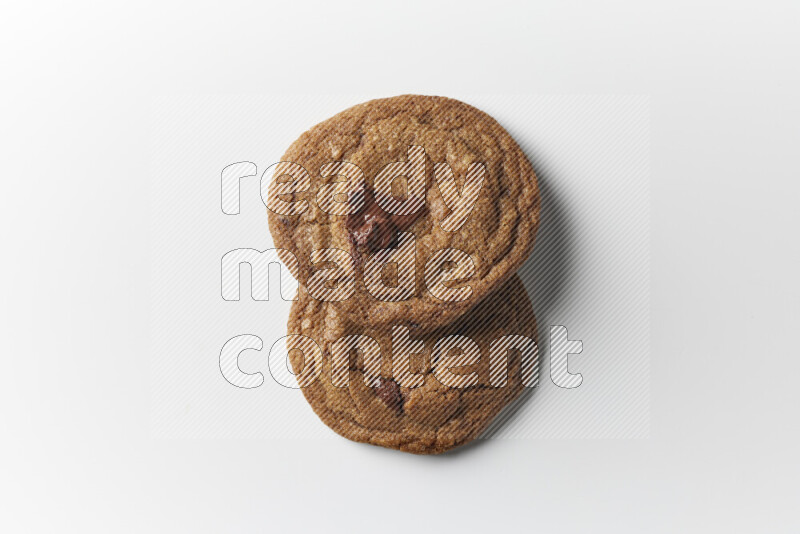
(78, 454)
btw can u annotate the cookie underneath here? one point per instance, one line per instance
(431, 418)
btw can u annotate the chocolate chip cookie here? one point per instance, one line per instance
(424, 393)
(429, 179)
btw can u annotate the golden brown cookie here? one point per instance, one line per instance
(464, 152)
(427, 402)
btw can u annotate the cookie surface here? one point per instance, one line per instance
(444, 409)
(497, 234)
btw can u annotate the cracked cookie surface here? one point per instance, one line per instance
(498, 235)
(432, 417)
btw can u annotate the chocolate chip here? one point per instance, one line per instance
(374, 229)
(389, 392)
